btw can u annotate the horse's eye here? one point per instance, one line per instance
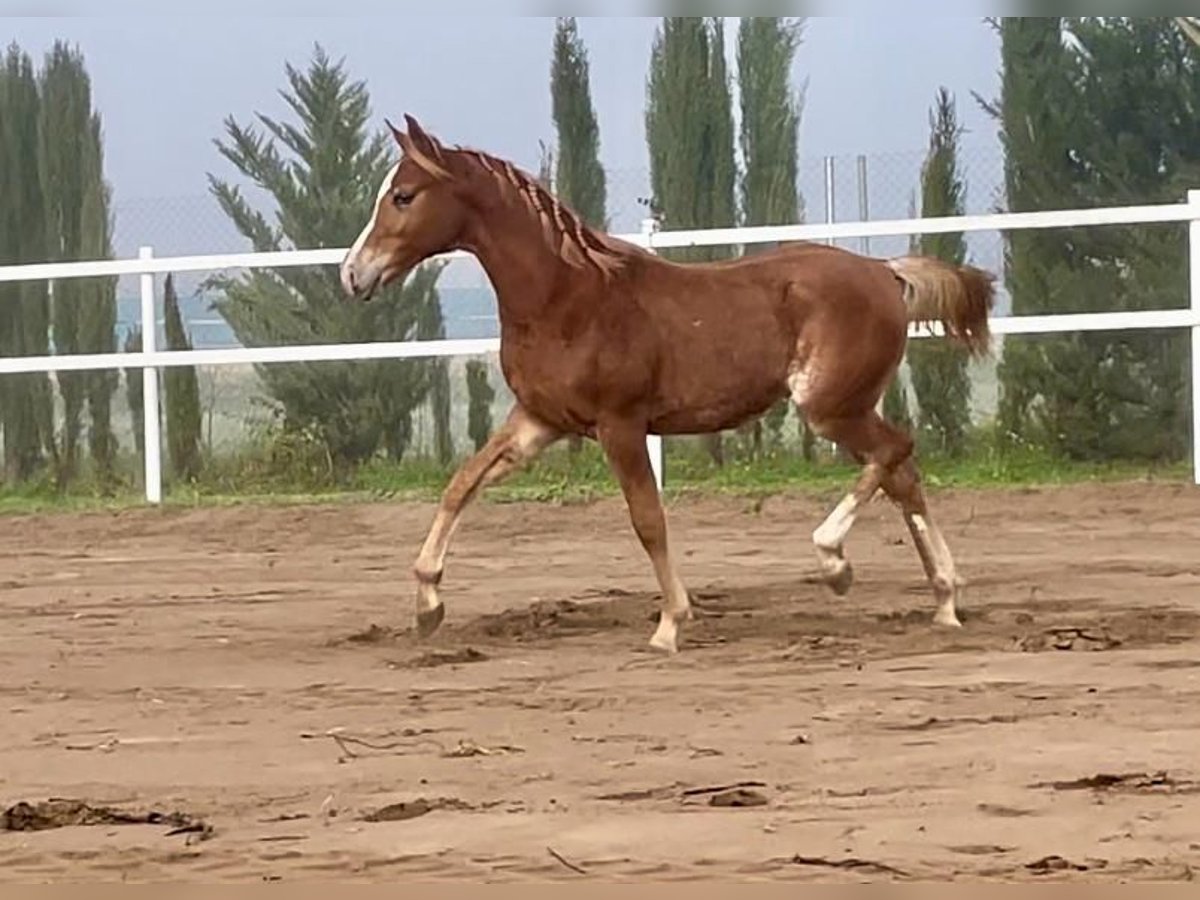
(401, 199)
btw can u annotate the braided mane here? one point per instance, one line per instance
(577, 243)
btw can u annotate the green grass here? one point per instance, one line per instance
(559, 478)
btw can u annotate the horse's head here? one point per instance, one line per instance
(418, 214)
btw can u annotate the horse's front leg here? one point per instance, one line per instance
(625, 446)
(520, 440)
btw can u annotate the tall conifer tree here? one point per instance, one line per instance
(690, 131)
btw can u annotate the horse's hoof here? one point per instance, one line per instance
(430, 621)
(841, 581)
(665, 647)
(666, 642)
(947, 619)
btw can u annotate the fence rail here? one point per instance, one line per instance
(151, 360)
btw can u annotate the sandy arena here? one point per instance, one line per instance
(237, 668)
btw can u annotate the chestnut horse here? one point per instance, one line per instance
(603, 339)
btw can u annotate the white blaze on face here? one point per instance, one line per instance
(384, 190)
(352, 261)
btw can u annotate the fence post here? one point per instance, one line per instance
(864, 200)
(1194, 259)
(830, 194)
(153, 425)
(654, 442)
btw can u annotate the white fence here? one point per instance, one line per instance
(151, 360)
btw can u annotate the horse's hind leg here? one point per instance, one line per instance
(880, 448)
(518, 442)
(903, 486)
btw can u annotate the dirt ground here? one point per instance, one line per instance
(239, 668)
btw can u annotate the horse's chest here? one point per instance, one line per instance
(541, 379)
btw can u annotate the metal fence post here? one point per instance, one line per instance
(153, 426)
(654, 442)
(1194, 259)
(864, 201)
(830, 194)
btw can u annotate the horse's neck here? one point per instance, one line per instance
(522, 266)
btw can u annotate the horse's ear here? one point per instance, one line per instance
(423, 141)
(421, 148)
(405, 141)
(416, 132)
(399, 135)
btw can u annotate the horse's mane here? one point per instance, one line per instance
(577, 243)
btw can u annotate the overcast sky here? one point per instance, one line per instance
(164, 84)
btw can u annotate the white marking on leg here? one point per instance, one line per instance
(945, 579)
(801, 378)
(677, 607)
(800, 383)
(829, 539)
(432, 560)
(834, 530)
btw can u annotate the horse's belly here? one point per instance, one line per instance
(701, 402)
(732, 370)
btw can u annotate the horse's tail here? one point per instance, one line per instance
(960, 298)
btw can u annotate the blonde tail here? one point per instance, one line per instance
(960, 298)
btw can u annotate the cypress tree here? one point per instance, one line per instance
(939, 370)
(895, 401)
(770, 141)
(184, 417)
(98, 314)
(677, 127)
(579, 179)
(770, 129)
(479, 410)
(66, 142)
(690, 132)
(689, 128)
(134, 395)
(441, 402)
(432, 327)
(546, 167)
(1039, 126)
(26, 401)
(724, 209)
